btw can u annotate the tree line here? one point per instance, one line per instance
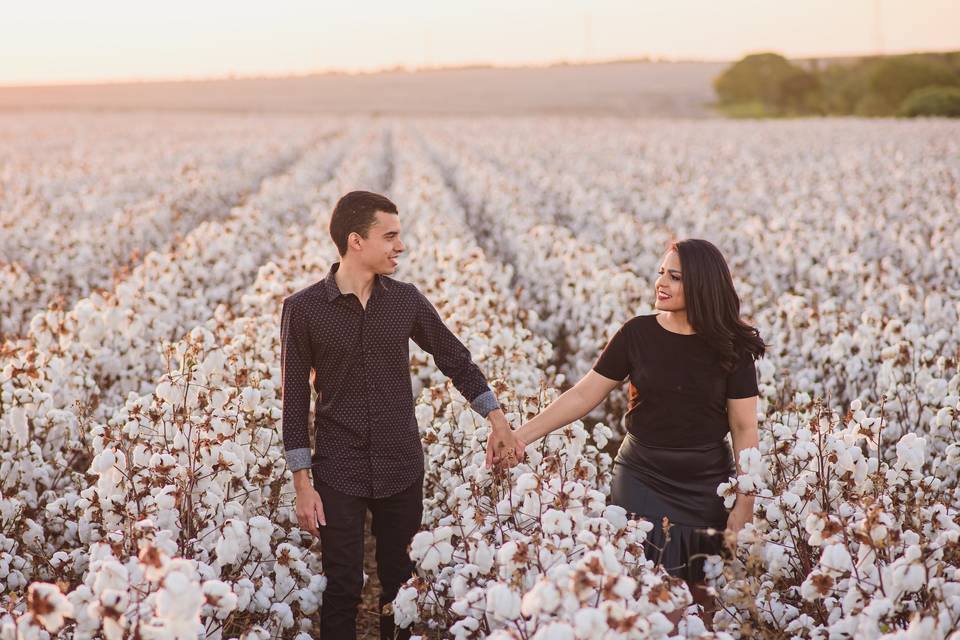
(769, 85)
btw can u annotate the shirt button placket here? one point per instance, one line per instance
(366, 363)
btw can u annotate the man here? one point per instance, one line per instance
(352, 329)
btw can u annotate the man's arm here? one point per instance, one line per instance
(295, 363)
(455, 361)
(452, 358)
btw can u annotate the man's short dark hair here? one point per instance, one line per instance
(356, 212)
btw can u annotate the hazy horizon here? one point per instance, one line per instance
(440, 68)
(60, 43)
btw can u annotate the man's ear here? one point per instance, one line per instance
(353, 240)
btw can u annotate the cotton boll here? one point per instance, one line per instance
(556, 522)
(512, 555)
(790, 500)
(256, 632)
(431, 549)
(169, 393)
(727, 491)
(212, 364)
(263, 596)
(103, 462)
(624, 586)
(467, 423)
(179, 441)
(49, 605)
(464, 628)
(502, 602)
(908, 576)
(751, 463)
(482, 555)
(405, 611)
(544, 598)
(777, 559)
(244, 589)
(153, 561)
(814, 525)
(18, 424)
(944, 417)
(218, 595)
(555, 631)
(283, 613)
(532, 503)
(233, 541)
(112, 600)
(816, 586)
(746, 484)
(424, 414)
(590, 623)
(218, 399)
(179, 603)
(712, 567)
(250, 399)
(952, 454)
(110, 575)
(835, 560)
(601, 435)
(910, 452)
(260, 531)
(527, 482)
(616, 515)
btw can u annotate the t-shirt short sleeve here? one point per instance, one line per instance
(614, 361)
(742, 381)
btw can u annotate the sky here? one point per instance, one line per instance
(67, 41)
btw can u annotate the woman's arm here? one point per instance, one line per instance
(572, 405)
(742, 414)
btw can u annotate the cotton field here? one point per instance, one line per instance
(144, 258)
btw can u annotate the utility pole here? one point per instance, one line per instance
(878, 26)
(587, 39)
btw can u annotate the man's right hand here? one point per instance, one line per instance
(309, 506)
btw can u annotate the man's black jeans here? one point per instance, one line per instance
(396, 519)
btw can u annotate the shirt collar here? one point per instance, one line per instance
(333, 291)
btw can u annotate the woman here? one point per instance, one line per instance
(692, 379)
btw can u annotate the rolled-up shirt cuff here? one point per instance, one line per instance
(485, 403)
(298, 459)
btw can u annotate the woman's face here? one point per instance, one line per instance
(669, 284)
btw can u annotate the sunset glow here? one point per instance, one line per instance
(50, 42)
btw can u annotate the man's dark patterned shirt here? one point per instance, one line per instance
(367, 439)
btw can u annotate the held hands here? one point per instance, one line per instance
(503, 445)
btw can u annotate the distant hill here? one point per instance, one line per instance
(630, 88)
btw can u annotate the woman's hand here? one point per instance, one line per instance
(503, 447)
(739, 516)
(514, 455)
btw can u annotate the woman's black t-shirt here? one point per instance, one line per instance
(678, 390)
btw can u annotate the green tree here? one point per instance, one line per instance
(932, 101)
(952, 60)
(895, 78)
(842, 86)
(768, 79)
(799, 93)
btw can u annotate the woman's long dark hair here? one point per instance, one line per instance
(713, 306)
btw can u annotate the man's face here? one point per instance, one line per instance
(380, 250)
